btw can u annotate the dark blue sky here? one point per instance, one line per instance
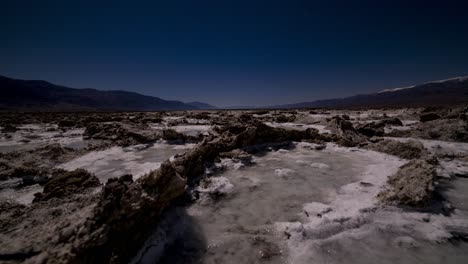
(235, 52)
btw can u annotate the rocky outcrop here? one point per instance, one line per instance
(121, 134)
(440, 129)
(428, 117)
(406, 150)
(172, 135)
(346, 134)
(284, 118)
(65, 183)
(8, 128)
(66, 123)
(371, 129)
(392, 121)
(412, 185)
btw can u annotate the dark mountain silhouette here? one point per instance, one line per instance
(437, 93)
(31, 95)
(25, 95)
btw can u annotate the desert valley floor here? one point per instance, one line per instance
(246, 186)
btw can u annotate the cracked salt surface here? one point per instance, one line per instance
(37, 135)
(353, 228)
(117, 161)
(239, 227)
(309, 214)
(12, 190)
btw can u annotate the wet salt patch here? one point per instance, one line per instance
(317, 227)
(193, 130)
(172, 118)
(158, 126)
(319, 165)
(350, 200)
(33, 136)
(230, 163)
(76, 132)
(31, 127)
(409, 122)
(189, 130)
(24, 195)
(284, 172)
(452, 168)
(220, 185)
(117, 161)
(259, 199)
(357, 116)
(456, 191)
(197, 121)
(282, 151)
(184, 147)
(389, 129)
(320, 116)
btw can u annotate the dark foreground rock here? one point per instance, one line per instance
(345, 132)
(412, 185)
(64, 183)
(428, 117)
(372, 129)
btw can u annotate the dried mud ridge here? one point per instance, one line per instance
(69, 222)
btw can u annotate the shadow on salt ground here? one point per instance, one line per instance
(178, 239)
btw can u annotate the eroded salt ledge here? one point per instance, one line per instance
(301, 205)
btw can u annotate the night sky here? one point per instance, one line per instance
(235, 52)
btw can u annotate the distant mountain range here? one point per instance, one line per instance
(436, 93)
(25, 95)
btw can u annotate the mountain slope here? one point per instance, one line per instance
(44, 96)
(444, 92)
